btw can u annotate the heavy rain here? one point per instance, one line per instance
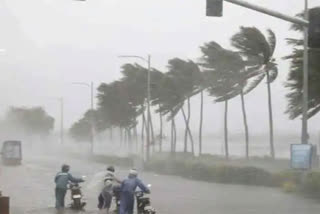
(159, 107)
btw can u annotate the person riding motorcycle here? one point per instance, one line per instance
(105, 196)
(62, 179)
(128, 188)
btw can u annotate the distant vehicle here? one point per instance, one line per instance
(11, 152)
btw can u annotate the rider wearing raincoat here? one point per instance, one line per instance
(128, 188)
(62, 179)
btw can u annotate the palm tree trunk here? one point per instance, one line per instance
(172, 133)
(125, 137)
(130, 143)
(111, 133)
(174, 136)
(226, 143)
(152, 131)
(121, 136)
(185, 150)
(245, 124)
(188, 129)
(272, 152)
(152, 136)
(201, 121)
(160, 135)
(136, 138)
(142, 132)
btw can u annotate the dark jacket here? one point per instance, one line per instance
(130, 184)
(62, 179)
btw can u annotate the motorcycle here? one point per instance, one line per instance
(76, 197)
(144, 203)
(116, 198)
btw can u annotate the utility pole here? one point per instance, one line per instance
(148, 106)
(304, 135)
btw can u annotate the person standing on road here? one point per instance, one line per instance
(106, 194)
(128, 188)
(62, 179)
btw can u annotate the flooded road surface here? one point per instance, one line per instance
(31, 189)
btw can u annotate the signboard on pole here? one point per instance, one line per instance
(301, 156)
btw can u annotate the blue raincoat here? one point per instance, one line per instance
(128, 188)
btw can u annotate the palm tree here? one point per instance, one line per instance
(295, 78)
(225, 76)
(118, 101)
(201, 123)
(156, 90)
(169, 103)
(186, 74)
(251, 42)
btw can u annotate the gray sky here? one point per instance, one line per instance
(52, 43)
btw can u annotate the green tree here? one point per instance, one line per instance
(170, 102)
(187, 76)
(252, 42)
(295, 78)
(225, 77)
(30, 121)
(81, 130)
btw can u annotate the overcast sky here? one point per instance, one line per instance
(52, 43)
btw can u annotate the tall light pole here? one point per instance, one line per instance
(91, 87)
(304, 136)
(148, 61)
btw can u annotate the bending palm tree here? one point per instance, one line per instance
(251, 42)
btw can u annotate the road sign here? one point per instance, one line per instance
(301, 156)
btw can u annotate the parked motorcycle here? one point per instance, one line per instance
(76, 197)
(144, 203)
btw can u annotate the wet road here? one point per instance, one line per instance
(31, 189)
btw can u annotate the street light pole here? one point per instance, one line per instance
(148, 106)
(304, 136)
(148, 61)
(91, 87)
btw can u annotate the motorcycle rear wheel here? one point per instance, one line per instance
(77, 203)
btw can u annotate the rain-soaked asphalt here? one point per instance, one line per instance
(30, 187)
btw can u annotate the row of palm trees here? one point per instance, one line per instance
(224, 74)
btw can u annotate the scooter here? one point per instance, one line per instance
(116, 198)
(144, 203)
(76, 197)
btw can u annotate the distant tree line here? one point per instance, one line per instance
(27, 122)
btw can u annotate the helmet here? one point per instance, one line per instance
(111, 169)
(133, 172)
(65, 168)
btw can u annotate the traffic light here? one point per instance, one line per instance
(314, 27)
(214, 8)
